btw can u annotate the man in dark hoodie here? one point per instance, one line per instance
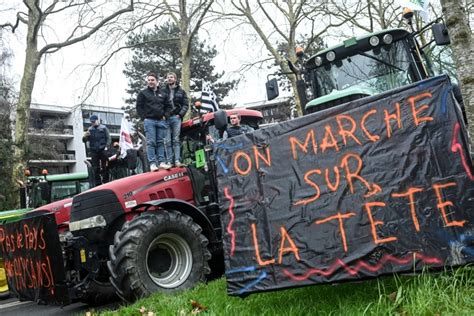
(153, 107)
(179, 106)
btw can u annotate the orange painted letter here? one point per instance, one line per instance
(443, 204)
(314, 185)
(415, 111)
(304, 147)
(411, 202)
(374, 223)
(371, 137)
(292, 248)
(236, 163)
(329, 140)
(347, 133)
(257, 249)
(396, 117)
(258, 156)
(339, 217)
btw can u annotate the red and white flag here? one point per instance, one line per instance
(125, 138)
(417, 5)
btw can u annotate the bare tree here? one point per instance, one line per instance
(286, 20)
(189, 16)
(86, 18)
(462, 46)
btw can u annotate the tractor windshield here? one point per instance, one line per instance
(44, 192)
(379, 69)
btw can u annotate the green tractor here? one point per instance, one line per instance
(365, 66)
(41, 190)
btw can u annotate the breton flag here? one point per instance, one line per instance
(125, 138)
(208, 98)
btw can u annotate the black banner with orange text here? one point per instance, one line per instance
(379, 185)
(33, 259)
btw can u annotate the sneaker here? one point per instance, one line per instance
(153, 167)
(179, 164)
(165, 165)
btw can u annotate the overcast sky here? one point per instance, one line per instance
(61, 77)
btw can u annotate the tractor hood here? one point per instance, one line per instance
(134, 190)
(131, 183)
(337, 97)
(61, 210)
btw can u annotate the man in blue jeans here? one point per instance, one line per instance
(179, 106)
(153, 107)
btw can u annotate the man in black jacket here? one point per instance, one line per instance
(98, 137)
(153, 107)
(179, 106)
(235, 128)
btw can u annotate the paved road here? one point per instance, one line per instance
(14, 307)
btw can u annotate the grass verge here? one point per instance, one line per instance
(448, 292)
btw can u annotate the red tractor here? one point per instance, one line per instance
(152, 232)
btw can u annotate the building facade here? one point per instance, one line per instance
(55, 135)
(274, 111)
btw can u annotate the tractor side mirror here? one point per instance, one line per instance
(220, 120)
(440, 34)
(272, 89)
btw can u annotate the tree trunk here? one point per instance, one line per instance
(463, 50)
(20, 141)
(22, 116)
(186, 68)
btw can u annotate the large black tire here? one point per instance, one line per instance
(158, 252)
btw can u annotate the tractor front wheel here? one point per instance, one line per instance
(158, 252)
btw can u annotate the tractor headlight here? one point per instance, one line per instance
(374, 41)
(387, 39)
(318, 61)
(91, 222)
(330, 56)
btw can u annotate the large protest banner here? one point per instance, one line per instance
(379, 185)
(30, 248)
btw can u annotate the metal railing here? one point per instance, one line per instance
(51, 131)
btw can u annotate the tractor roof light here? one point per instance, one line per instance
(374, 41)
(27, 172)
(44, 172)
(387, 39)
(330, 56)
(407, 13)
(299, 51)
(197, 104)
(318, 61)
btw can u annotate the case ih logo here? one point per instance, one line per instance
(173, 176)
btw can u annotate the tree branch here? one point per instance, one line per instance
(56, 46)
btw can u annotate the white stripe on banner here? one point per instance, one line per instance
(208, 98)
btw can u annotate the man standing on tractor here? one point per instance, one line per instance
(99, 140)
(179, 106)
(153, 108)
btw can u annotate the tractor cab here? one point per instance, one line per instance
(194, 132)
(197, 150)
(364, 66)
(45, 189)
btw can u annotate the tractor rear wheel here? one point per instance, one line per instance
(158, 252)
